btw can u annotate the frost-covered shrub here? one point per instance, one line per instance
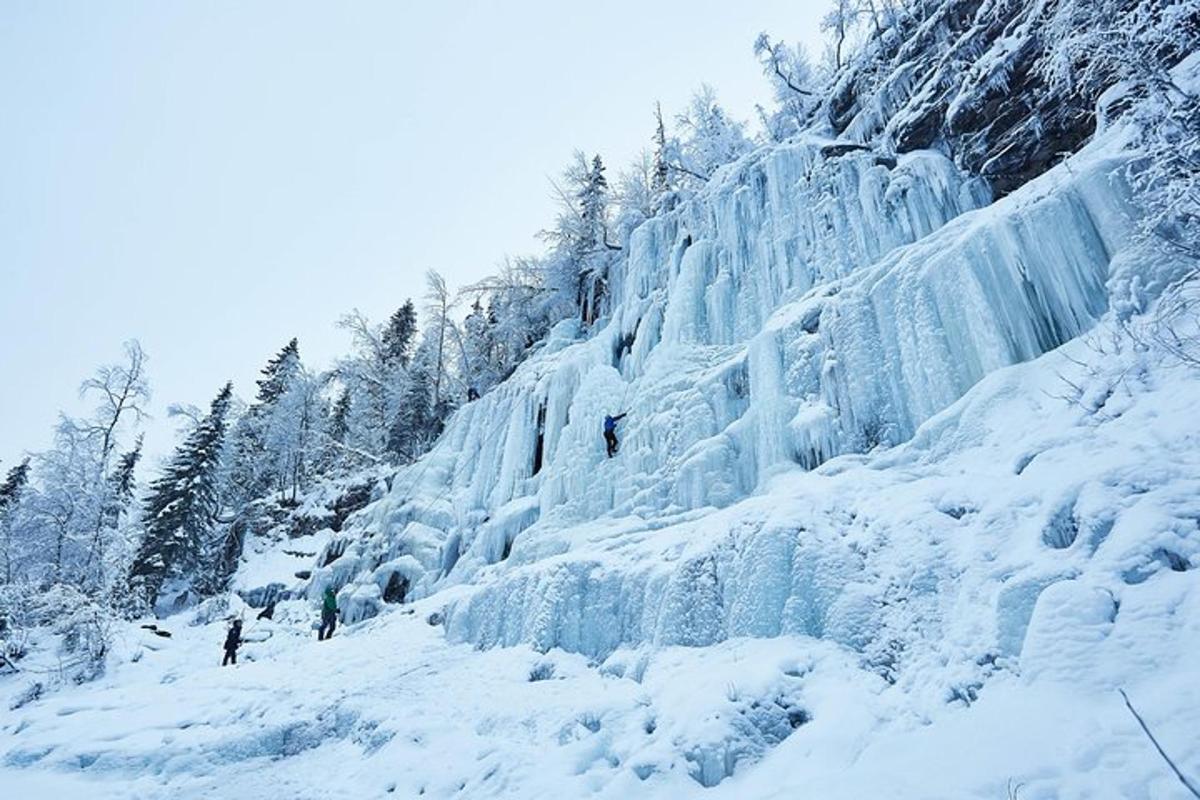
(14, 623)
(210, 610)
(541, 671)
(85, 628)
(82, 626)
(27, 695)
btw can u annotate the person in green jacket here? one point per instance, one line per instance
(329, 611)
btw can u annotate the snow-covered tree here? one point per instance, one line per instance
(65, 507)
(417, 423)
(709, 138)
(838, 22)
(122, 390)
(792, 86)
(580, 248)
(277, 375)
(593, 210)
(1130, 47)
(10, 497)
(373, 379)
(660, 178)
(523, 300)
(273, 442)
(442, 332)
(289, 434)
(634, 195)
(181, 508)
(64, 530)
(482, 367)
(114, 544)
(14, 482)
(339, 417)
(122, 480)
(398, 335)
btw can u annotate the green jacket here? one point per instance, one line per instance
(330, 603)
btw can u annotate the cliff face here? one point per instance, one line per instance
(812, 302)
(967, 77)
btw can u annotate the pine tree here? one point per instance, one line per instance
(415, 426)
(255, 458)
(10, 496)
(182, 506)
(121, 485)
(278, 373)
(399, 334)
(339, 418)
(591, 245)
(481, 353)
(288, 434)
(593, 204)
(14, 482)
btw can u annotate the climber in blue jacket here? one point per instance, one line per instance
(610, 433)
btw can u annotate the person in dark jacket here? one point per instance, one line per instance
(610, 433)
(233, 640)
(268, 612)
(329, 612)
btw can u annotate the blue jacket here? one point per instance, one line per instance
(610, 423)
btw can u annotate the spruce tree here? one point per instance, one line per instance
(14, 482)
(593, 203)
(591, 245)
(398, 336)
(481, 352)
(339, 418)
(181, 507)
(121, 484)
(253, 464)
(278, 373)
(10, 495)
(415, 425)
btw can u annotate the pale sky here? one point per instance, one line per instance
(213, 178)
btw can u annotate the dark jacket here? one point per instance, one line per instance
(234, 638)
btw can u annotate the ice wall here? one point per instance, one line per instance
(816, 299)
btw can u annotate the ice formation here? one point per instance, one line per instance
(816, 301)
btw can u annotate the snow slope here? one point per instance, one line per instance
(900, 504)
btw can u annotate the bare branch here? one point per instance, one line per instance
(1182, 778)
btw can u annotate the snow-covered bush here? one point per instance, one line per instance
(86, 628)
(82, 627)
(14, 624)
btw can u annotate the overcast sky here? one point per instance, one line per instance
(213, 178)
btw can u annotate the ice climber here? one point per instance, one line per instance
(610, 433)
(268, 612)
(329, 611)
(233, 640)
